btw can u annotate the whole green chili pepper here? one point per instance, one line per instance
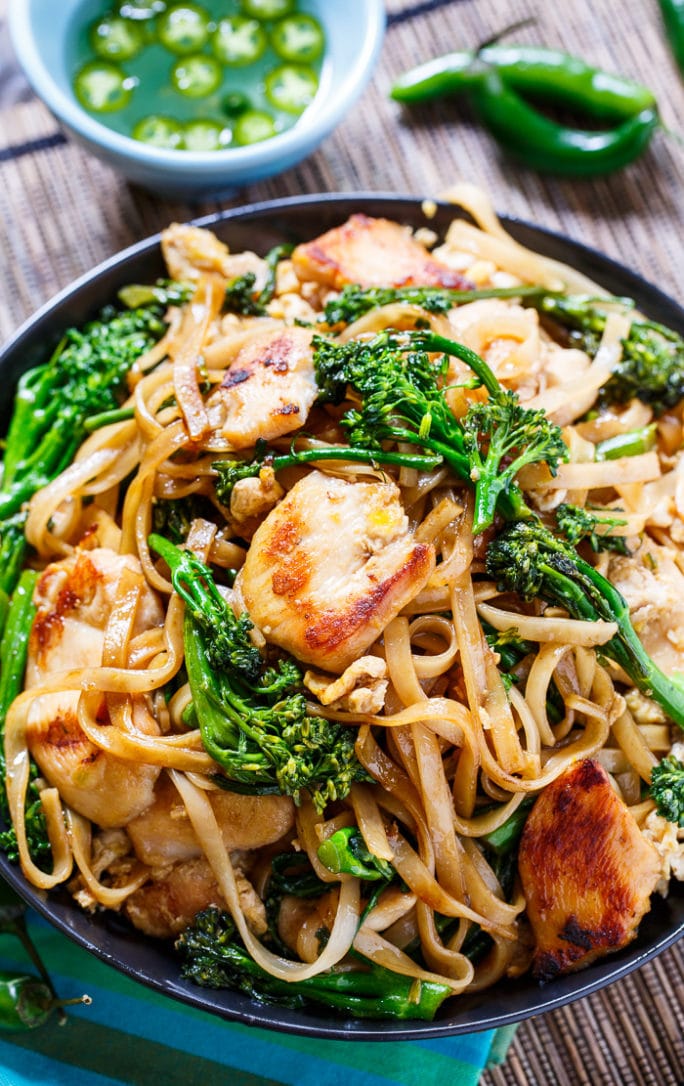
(500, 78)
(673, 17)
(530, 69)
(13, 922)
(550, 147)
(27, 1002)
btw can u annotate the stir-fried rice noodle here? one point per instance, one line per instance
(451, 750)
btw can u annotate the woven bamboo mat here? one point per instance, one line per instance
(62, 211)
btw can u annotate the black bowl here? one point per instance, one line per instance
(259, 227)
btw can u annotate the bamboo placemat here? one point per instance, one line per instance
(62, 211)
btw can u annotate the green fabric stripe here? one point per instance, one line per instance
(135, 1061)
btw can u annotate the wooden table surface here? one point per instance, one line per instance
(62, 211)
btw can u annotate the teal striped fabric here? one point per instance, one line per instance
(131, 1035)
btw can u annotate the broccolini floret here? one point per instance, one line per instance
(525, 557)
(501, 437)
(403, 398)
(667, 789)
(242, 297)
(651, 367)
(216, 958)
(577, 524)
(253, 718)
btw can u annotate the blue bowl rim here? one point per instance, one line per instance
(153, 964)
(325, 112)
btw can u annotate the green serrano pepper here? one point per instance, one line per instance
(550, 147)
(673, 17)
(26, 1002)
(503, 81)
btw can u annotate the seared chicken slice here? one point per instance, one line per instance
(74, 598)
(587, 871)
(268, 390)
(166, 905)
(330, 566)
(371, 253)
(163, 833)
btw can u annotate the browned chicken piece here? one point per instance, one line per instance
(163, 834)
(74, 598)
(587, 872)
(268, 390)
(165, 906)
(330, 566)
(371, 253)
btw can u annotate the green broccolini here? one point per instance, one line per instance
(577, 523)
(667, 789)
(164, 292)
(345, 852)
(173, 517)
(216, 958)
(241, 295)
(652, 364)
(85, 376)
(512, 437)
(510, 647)
(230, 472)
(354, 301)
(403, 398)
(253, 717)
(13, 654)
(525, 557)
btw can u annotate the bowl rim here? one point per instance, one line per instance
(96, 935)
(324, 113)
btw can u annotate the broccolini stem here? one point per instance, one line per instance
(14, 643)
(633, 443)
(215, 958)
(527, 558)
(354, 301)
(273, 258)
(231, 472)
(12, 551)
(345, 852)
(106, 418)
(504, 839)
(13, 655)
(432, 342)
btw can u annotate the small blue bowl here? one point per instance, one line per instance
(40, 30)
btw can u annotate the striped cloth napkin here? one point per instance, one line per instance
(133, 1036)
